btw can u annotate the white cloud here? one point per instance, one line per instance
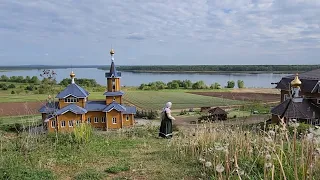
(172, 29)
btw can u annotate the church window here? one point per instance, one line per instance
(127, 118)
(78, 122)
(96, 120)
(63, 123)
(114, 98)
(71, 99)
(318, 101)
(103, 119)
(71, 123)
(285, 97)
(89, 120)
(114, 120)
(53, 123)
(113, 84)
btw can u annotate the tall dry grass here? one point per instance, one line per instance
(250, 153)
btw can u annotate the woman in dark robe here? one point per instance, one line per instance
(166, 122)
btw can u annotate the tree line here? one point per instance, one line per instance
(35, 85)
(187, 84)
(218, 68)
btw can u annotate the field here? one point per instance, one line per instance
(242, 96)
(24, 104)
(180, 100)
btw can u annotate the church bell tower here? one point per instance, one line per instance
(113, 91)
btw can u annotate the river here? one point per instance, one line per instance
(135, 79)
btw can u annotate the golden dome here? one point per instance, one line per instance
(296, 81)
(72, 74)
(111, 51)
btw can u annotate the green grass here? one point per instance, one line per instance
(238, 114)
(30, 119)
(141, 99)
(180, 100)
(131, 154)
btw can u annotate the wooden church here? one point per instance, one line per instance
(74, 107)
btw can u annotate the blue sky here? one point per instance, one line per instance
(159, 31)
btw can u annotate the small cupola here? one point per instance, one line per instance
(295, 89)
(296, 81)
(72, 76)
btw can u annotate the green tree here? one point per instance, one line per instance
(215, 86)
(240, 84)
(4, 78)
(187, 84)
(11, 86)
(199, 85)
(230, 84)
(35, 80)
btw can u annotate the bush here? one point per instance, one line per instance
(13, 92)
(240, 84)
(215, 86)
(11, 86)
(4, 87)
(230, 84)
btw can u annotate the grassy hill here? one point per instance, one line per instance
(211, 151)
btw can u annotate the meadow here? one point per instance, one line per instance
(142, 99)
(207, 151)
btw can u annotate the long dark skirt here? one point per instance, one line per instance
(166, 128)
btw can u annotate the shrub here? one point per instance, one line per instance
(4, 87)
(13, 92)
(11, 86)
(82, 132)
(230, 84)
(215, 86)
(240, 84)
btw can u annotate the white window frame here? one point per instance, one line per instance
(127, 117)
(96, 120)
(78, 122)
(114, 120)
(53, 123)
(70, 123)
(103, 119)
(318, 101)
(63, 124)
(285, 97)
(71, 99)
(89, 120)
(114, 98)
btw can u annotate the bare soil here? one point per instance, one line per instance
(19, 108)
(246, 96)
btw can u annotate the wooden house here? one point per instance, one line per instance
(300, 98)
(74, 107)
(214, 114)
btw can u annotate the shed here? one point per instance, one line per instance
(217, 114)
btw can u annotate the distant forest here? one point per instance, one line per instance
(219, 68)
(182, 68)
